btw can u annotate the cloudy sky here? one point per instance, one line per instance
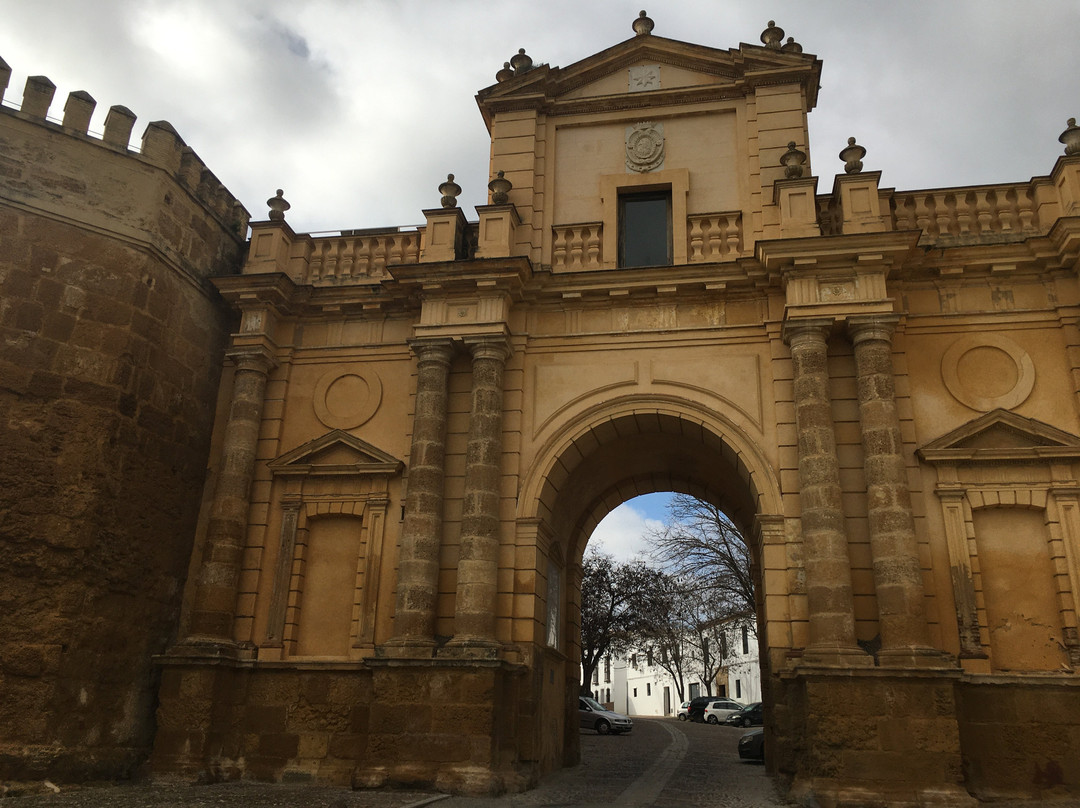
(359, 108)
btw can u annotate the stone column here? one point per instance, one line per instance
(421, 532)
(214, 605)
(825, 545)
(897, 575)
(474, 620)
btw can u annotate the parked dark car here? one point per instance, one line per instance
(747, 716)
(696, 710)
(752, 745)
(593, 715)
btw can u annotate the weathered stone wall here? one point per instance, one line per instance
(111, 342)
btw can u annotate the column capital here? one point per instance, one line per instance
(867, 327)
(432, 349)
(808, 328)
(490, 347)
(252, 357)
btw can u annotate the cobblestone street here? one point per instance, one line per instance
(663, 762)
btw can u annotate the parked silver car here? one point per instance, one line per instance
(595, 716)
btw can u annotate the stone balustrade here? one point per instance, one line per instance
(578, 246)
(715, 237)
(339, 258)
(956, 215)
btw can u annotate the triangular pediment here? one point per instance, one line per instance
(685, 69)
(336, 452)
(999, 436)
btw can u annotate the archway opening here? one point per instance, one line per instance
(619, 457)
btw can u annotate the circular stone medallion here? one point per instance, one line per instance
(645, 147)
(346, 400)
(987, 372)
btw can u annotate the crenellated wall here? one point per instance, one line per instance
(111, 344)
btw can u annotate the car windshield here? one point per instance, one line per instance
(592, 703)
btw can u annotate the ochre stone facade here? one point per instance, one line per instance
(418, 429)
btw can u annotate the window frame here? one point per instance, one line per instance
(676, 181)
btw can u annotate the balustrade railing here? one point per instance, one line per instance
(346, 256)
(714, 237)
(577, 246)
(959, 214)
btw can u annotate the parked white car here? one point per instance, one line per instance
(684, 711)
(718, 710)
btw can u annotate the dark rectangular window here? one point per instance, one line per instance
(645, 229)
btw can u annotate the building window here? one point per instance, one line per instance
(738, 688)
(596, 676)
(607, 669)
(695, 690)
(648, 689)
(645, 229)
(635, 692)
(648, 655)
(745, 640)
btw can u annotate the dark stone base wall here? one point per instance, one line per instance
(1020, 738)
(455, 726)
(866, 736)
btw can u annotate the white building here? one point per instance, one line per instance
(639, 685)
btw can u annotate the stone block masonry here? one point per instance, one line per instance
(111, 341)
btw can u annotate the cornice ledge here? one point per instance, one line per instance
(275, 288)
(506, 273)
(892, 246)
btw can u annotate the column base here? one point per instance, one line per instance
(471, 647)
(835, 656)
(922, 658)
(407, 647)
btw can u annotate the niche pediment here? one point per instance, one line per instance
(1000, 436)
(338, 453)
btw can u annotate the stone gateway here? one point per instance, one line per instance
(417, 430)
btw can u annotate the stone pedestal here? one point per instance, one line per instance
(456, 725)
(880, 737)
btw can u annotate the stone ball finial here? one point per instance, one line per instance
(1071, 138)
(772, 36)
(791, 46)
(500, 189)
(793, 161)
(852, 156)
(505, 74)
(278, 206)
(643, 25)
(449, 191)
(521, 62)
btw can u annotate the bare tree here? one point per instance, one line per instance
(700, 543)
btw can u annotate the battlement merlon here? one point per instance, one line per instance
(161, 145)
